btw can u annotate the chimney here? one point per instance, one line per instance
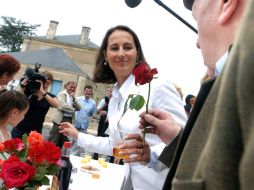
(52, 30)
(84, 35)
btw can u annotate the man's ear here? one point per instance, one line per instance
(228, 8)
(48, 82)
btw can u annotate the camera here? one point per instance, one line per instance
(34, 77)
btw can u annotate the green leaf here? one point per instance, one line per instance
(24, 138)
(137, 102)
(45, 181)
(40, 173)
(126, 103)
(3, 188)
(53, 169)
(22, 155)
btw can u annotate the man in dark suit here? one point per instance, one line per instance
(216, 148)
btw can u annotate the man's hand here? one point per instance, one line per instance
(163, 124)
(68, 129)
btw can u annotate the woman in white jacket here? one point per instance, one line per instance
(119, 54)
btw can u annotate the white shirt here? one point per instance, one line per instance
(220, 64)
(101, 103)
(69, 101)
(163, 96)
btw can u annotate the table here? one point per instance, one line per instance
(111, 178)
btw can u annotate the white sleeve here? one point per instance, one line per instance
(154, 162)
(96, 144)
(165, 97)
(101, 103)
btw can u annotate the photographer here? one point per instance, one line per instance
(40, 102)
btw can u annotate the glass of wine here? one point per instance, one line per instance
(121, 139)
(86, 157)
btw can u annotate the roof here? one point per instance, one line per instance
(71, 39)
(54, 58)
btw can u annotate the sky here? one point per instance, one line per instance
(167, 44)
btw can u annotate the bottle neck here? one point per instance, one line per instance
(66, 152)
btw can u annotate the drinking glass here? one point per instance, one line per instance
(103, 160)
(86, 156)
(121, 139)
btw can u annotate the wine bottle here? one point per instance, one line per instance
(64, 175)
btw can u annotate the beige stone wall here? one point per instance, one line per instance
(84, 57)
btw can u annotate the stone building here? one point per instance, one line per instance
(68, 57)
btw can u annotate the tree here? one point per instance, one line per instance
(12, 32)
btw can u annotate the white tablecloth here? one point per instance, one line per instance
(111, 178)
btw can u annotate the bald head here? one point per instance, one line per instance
(218, 23)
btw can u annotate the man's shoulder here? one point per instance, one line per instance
(93, 101)
(61, 93)
(80, 98)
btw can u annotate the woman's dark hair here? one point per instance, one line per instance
(103, 73)
(10, 100)
(8, 64)
(188, 98)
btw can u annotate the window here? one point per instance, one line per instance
(56, 87)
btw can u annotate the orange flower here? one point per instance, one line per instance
(34, 138)
(1, 147)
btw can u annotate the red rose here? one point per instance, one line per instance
(34, 137)
(13, 145)
(143, 74)
(16, 173)
(53, 153)
(36, 153)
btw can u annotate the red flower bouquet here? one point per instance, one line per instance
(30, 161)
(143, 74)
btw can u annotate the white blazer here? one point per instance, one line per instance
(163, 96)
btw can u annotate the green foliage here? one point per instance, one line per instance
(40, 173)
(137, 102)
(45, 181)
(126, 103)
(12, 33)
(53, 169)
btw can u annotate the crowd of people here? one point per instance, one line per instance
(205, 144)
